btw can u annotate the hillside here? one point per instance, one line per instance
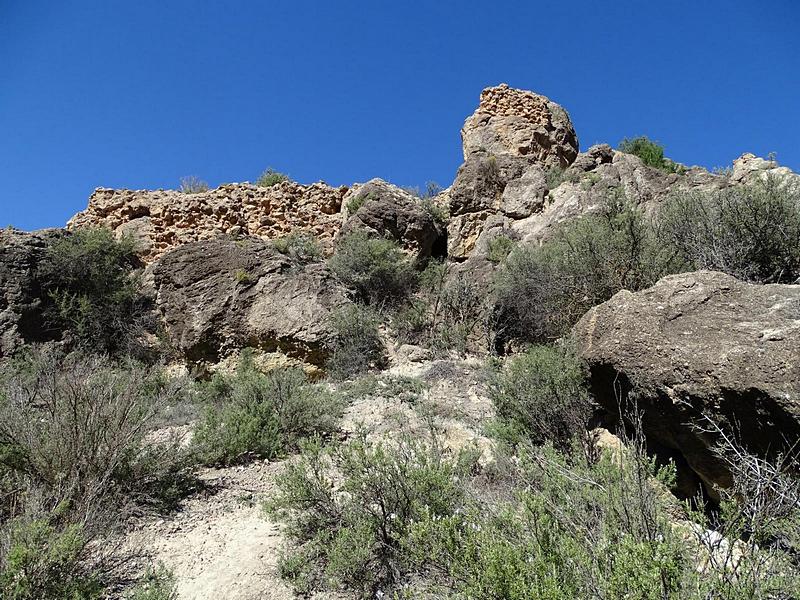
(569, 374)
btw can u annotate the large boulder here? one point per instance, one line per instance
(520, 123)
(217, 296)
(21, 298)
(387, 211)
(699, 344)
(161, 220)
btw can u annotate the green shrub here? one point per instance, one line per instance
(752, 232)
(357, 346)
(252, 414)
(299, 246)
(44, 561)
(271, 177)
(542, 291)
(354, 535)
(542, 395)
(651, 153)
(193, 185)
(89, 278)
(555, 176)
(499, 247)
(358, 201)
(374, 268)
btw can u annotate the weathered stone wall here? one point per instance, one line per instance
(164, 219)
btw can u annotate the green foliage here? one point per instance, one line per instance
(299, 246)
(193, 185)
(156, 584)
(651, 153)
(243, 277)
(446, 311)
(374, 268)
(89, 277)
(542, 395)
(499, 247)
(252, 414)
(751, 232)
(358, 201)
(271, 177)
(354, 535)
(46, 562)
(357, 346)
(542, 291)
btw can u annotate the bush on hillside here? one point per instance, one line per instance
(752, 232)
(193, 185)
(251, 414)
(271, 177)
(542, 396)
(356, 347)
(651, 153)
(541, 291)
(299, 246)
(74, 465)
(374, 268)
(354, 534)
(90, 280)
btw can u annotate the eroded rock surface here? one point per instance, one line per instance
(21, 297)
(161, 220)
(695, 343)
(385, 210)
(216, 296)
(520, 123)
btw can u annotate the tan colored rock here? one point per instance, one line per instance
(520, 123)
(161, 220)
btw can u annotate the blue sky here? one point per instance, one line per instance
(139, 94)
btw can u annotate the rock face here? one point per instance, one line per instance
(21, 301)
(701, 342)
(385, 210)
(165, 219)
(216, 296)
(520, 123)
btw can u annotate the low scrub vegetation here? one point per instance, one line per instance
(651, 153)
(251, 414)
(73, 466)
(750, 232)
(541, 396)
(271, 177)
(374, 268)
(299, 246)
(543, 290)
(193, 185)
(408, 519)
(357, 346)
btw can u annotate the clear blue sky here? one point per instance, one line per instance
(138, 93)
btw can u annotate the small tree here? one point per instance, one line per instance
(271, 177)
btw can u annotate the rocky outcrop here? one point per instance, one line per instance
(387, 211)
(21, 297)
(699, 343)
(749, 167)
(161, 220)
(520, 123)
(217, 296)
